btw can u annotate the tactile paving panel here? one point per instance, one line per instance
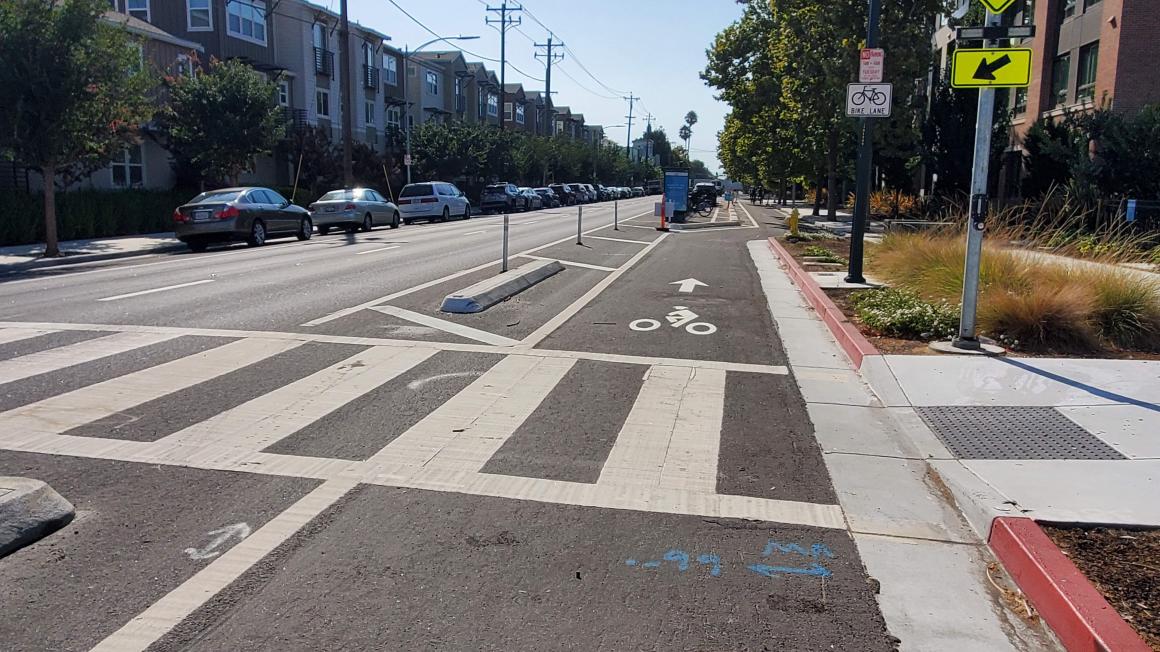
(1014, 433)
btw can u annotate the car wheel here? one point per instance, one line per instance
(197, 245)
(305, 229)
(368, 224)
(446, 214)
(395, 221)
(324, 230)
(467, 212)
(257, 234)
(406, 222)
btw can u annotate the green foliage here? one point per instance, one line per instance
(217, 122)
(827, 256)
(89, 214)
(901, 313)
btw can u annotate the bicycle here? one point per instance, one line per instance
(704, 207)
(869, 94)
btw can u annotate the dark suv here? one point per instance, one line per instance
(502, 198)
(565, 193)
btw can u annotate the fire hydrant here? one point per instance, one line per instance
(794, 216)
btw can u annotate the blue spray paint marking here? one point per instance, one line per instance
(713, 560)
(651, 564)
(630, 562)
(679, 556)
(816, 570)
(816, 551)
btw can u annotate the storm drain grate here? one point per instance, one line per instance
(1014, 433)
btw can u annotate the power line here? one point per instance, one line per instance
(585, 88)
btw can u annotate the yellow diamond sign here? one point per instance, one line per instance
(998, 6)
(992, 68)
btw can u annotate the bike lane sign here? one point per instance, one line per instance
(869, 100)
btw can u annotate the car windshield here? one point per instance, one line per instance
(214, 196)
(418, 190)
(497, 188)
(339, 195)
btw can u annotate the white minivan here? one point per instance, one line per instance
(433, 201)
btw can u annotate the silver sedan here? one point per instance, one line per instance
(353, 209)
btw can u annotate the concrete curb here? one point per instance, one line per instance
(855, 345)
(29, 511)
(693, 226)
(67, 259)
(1075, 610)
(487, 293)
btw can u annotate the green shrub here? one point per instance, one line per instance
(827, 256)
(1127, 310)
(89, 214)
(900, 313)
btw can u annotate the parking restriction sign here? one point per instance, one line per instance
(870, 65)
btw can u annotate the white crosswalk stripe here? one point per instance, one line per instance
(8, 335)
(61, 357)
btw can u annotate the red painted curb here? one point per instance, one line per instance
(856, 346)
(1075, 610)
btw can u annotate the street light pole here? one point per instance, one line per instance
(407, 120)
(344, 86)
(865, 164)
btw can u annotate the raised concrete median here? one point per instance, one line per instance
(689, 226)
(487, 293)
(29, 510)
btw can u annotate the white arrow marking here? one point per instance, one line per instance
(689, 284)
(220, 537)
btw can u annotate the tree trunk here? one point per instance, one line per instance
(818, 194)
(832, 174)
(51, 246)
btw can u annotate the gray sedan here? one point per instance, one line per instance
(353, 209)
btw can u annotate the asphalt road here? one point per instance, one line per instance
(291, 448)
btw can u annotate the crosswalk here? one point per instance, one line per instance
(664, 458)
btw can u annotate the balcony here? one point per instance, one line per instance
(370, 77)
(323, 62)
(294, 119)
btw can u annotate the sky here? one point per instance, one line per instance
(653, 49)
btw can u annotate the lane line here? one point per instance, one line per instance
(60, 357)
(777, 370)
(570, 263)
(165, 614)
(473, 233)
(716, 214)
(375, 251)
(749, 215)
(558, 320)
(458, 437)
(9, 335)
(64, 412)
(155, 290)
(446, 326)
(636, 242)
(269, 418)
(638, 226)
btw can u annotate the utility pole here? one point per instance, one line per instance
(628, 138)
(504, 21)
(648, 120)
(549, 59)
(344, 84)
(863, 180)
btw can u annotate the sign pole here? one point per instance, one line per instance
(579, 227)
(505, 243)
(966, 338)
(865, 164)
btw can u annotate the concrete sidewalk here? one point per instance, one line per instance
(78, 251)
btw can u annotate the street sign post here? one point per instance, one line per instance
(991, 68)
(870, 65)
(869, 100)
(997, 6)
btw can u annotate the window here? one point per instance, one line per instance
(1020, 101)
(1060, 78)
(520, 114)
(318, 33)
(129, 168)
(368, 55)
(246, 20)
(391, 65)
(369, 112)
(493, 105)
(138, 9)
(507, 111)
(322, 103)
(394, 117)
(1089, 61)
(1028, 13)
(284, 93)
(198, 17)
(480, 101)
(184, 67)
(1068, 9)
(432, 83)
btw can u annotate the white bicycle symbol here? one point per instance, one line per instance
(680, 316)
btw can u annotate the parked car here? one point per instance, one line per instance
(431, 201)
(353, 209)
(233, 214)
(502, 197)
(625, 192)
(637, 191)
(591, 190)
(704, 190)
(548, 198)
(532, 199)
(566, 194)
(577, 192)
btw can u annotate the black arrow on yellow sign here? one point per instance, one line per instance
(986, 70)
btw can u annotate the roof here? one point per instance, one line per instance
(142, 28)
(513, 88)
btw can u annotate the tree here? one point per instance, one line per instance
(218, 121)
(686, 132)
(74, 92)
